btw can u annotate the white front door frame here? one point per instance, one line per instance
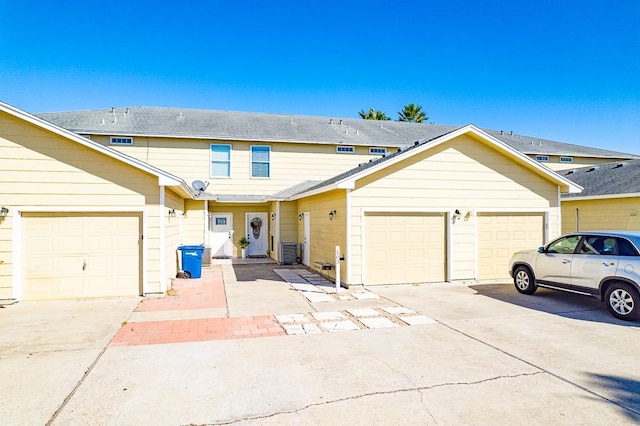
(256, 230)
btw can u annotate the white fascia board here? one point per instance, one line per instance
(470, 128)
(600, 197)
(164, 178)
(320, 190)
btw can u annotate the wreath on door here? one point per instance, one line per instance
(256, 225)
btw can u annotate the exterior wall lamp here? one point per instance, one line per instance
(172, 212)
(332, 213)
(456, 216)
(4, 212)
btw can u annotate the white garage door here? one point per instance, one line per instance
(500, 235)
(81, 255)
(404, 248)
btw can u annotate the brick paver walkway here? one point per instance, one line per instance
(196, 330)
(202, 293)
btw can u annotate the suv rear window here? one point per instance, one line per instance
(605, 245)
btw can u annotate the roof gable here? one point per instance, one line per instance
(348, 179)
(164, 178)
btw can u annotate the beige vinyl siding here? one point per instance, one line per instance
(173, 233)
(288, 221)
(195, 222)
(238, 212)
(41, 171)
(605, 213)
(463, 174)
(326, 234)
(290, 162)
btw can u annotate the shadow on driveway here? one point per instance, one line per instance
(564, 304)
(625, 392)
(260, 271)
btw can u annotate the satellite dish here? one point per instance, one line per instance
(199, 185)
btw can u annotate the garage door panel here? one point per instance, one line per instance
(404, 248)
(81, 255)
(502, 234)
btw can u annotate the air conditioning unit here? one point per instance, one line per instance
(287, 253)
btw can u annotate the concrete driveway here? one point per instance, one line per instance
(493, 356)
(45, 350)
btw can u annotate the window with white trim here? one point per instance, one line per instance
(119, 140)
(376, 150)
(220, 160)
(260, 161)
(542, 158)
(566, 159)
(345, 149)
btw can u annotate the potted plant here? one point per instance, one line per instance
(244, 243)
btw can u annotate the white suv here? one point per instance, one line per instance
(603, 264)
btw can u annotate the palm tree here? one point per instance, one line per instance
(373, 115)
(412, 113)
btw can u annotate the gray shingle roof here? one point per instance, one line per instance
(620, 177)
(367, 165)
(295, 189)
(211, 124)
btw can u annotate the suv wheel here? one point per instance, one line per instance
(622, 301)
(524, 281)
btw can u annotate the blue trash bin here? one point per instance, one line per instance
(192, 260)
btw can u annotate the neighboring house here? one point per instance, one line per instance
(610, 199)
(405, 202)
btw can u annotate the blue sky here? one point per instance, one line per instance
(561, 70)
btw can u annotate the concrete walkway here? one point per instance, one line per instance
(237, 301)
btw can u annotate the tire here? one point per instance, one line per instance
(622, 301)
(524, 280)
(187, 274)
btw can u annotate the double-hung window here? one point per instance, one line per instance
(260, 161)
(220, 160)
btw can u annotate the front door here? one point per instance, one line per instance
(256, 230)
(221, 227)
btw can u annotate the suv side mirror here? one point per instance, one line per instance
(540, 249)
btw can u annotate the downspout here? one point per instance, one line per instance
(277, 230)
(348, 249)
(162, 217)
(559, 207)
(577, 219)
(206, 229)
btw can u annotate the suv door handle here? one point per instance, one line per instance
(608, 263)
(566, 261)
